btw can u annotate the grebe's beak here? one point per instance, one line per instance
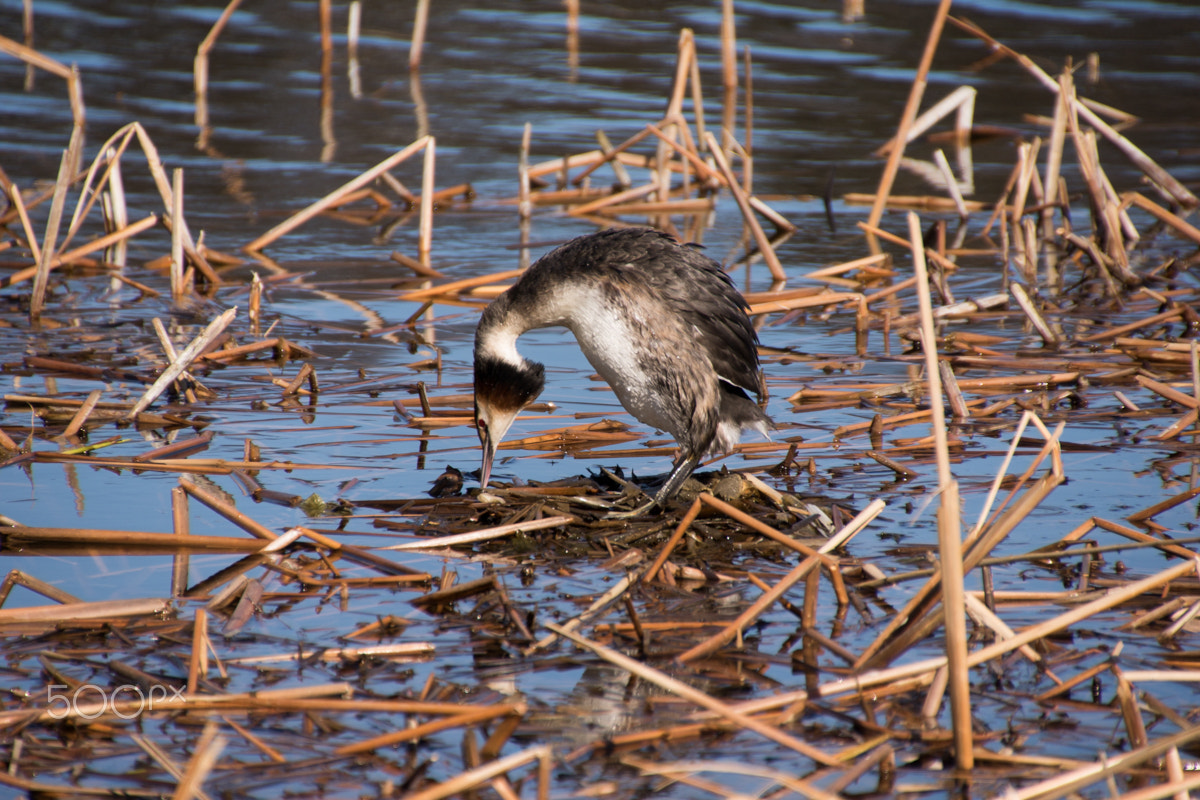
(489, 453)
(491, 424)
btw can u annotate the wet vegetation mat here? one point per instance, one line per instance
(535, 639)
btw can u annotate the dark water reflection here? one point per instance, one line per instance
(826, 93)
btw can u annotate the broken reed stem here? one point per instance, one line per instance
(598, 606)
(524, 204)
(709, 702)
(204, 758)
(68, 74)
(407, 734)
(68, 257)
(760, 238)
(420, 22)
(943, 165)
(332, 199)
(906, 120)
(814, 559)
(949, 523)
(198, 661)
(182, 528)
(31, 240)
(1068, 783)
(42, 278)
(116, 538)
(483, 535)
(665, 553)
(425, 212)
(686, 55)
(1162, 215)
(752, 613)
(177, 287)
(1058, 137)
(1111, 598)
(102, 609)
(456, 287)
(110, 156)
(465, 782)
(729, 77)
(200, 63)
(1035, 318)
(227, 511)
(180, 364)
(1161, 179)
(164, 190)
(82, 414)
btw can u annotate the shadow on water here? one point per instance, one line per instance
(432, 635)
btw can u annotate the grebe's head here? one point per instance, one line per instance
(502, 390)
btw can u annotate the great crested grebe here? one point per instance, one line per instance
(660, 321)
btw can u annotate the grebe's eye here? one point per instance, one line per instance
(481, 424)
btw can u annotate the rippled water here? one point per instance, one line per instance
(827, 92)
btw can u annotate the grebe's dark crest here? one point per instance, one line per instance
(660, 321)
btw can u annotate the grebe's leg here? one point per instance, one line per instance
(682, 470)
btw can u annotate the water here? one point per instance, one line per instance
(827, 92)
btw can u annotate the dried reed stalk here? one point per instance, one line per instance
(1160, 177)
(1113, 597)
(949, 522)
(961, 101)
(425, 210)
(729, 78)
(204, 758)
(752, 613)
(739, 196)
(180, 364)
(463, 720)
(466, 782)
(42, 278)
(485, 534)
(336, 196)
(1035, 318)
(67, 612)
(1162, 215)
(227, 511)
(14, 194)
(420, 22)
(616, 198)
(593, 611)
(1070, 782)
(164, 760)
(117, 538)
(524, 204)
(200, 65)
(82, 414)
(177, 227)
(951, 184)
(69, 74)
(906, 120)
(18, 578)
(709, 702)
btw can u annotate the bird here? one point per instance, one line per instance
(661, 322)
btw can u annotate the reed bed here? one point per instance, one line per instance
(179, 690)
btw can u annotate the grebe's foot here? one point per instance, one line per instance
(682, 471)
